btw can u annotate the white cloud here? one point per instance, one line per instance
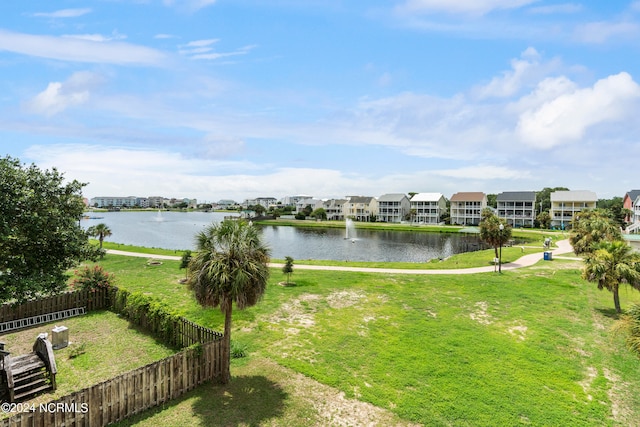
(202, 49)
(556, 9)
(567, 117)
(64, 13)
(191, 5)
(473, 7)
(510, 82)
(77, 50)
(603, 31)
(96, 37)
(484, 172)
(58, 96)
(145, 172)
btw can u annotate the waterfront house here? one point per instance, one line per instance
(361, 208)
(334, 209)
(428, 208)
(393, 207)
(565, 205)
(517, 208)
(466, 208)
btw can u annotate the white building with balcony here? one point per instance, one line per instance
(565, 205)
(517, 208)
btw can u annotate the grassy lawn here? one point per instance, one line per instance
(465, 260)
(107, 346)
(528, 347)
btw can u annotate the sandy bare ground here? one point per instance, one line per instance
(330, 406)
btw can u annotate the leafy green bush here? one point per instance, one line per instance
(630, 325)
(238, 350)
(92, 278)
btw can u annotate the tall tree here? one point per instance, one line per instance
(230, 266)
(320, 214)
(591, 227)
(543, 198)
(40, 234)
(100, 231)
(490, 230)
(615, 206)
(610, 264)
(492, 200)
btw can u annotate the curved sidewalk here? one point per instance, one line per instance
(563, 247)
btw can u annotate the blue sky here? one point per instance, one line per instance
(221, 99)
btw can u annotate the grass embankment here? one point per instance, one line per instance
(102, 346)
(465, 260)
(527, 234)
(530, 346)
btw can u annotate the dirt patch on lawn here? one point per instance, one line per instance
(330, 406)
(480, 314)
(344, 299)
(300, 311)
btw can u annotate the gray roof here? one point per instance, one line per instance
(392, 197)
(633, 194)
(360, 199)
(517, 196)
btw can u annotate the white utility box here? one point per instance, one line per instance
(59, 337)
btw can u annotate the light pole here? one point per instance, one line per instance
(501, 227)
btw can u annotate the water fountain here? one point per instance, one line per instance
(350, 230)
(159, 217)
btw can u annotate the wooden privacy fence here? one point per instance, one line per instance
(91, 300)
(134, 391)
(128, 394)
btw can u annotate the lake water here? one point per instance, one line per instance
(177, 230)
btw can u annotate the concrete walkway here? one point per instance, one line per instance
(562, 247)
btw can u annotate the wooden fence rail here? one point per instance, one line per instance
(127, 394)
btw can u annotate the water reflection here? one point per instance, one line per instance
(176, 230)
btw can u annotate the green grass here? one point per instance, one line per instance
(104, 345)
(138, 249)
(530, 346)
(482, 258)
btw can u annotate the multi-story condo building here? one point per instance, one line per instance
(156, 202)
(393, 207)
(428, 208)
(361, 208)
(466, 208)
(517, 208)
(293, 200)
(114, 202)
(334, 209)
(303, 203)
(566, 204)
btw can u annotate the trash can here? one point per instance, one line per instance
(59, 337)
(548, 256)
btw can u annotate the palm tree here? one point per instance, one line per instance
(100, 231)
(230, 266)
(491, 232)
(590, 227)
(610, 264)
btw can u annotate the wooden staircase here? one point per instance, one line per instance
(29, 374)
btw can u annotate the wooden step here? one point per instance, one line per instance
(34, 384)
(31, 393)
(29, 376)
(25, 363)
